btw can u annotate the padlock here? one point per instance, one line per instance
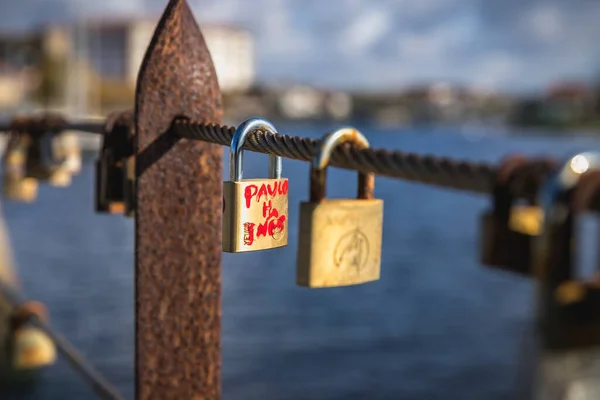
(508, 229)
(109, 185)
(569, 305)
(113, 190)
(16, 185)
(28, 346)
(568, 309)
(255, 211)
(340, 239)
(43, 163)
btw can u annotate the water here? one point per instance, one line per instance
(436, 326)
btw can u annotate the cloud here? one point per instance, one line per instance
(363, 32)
(381, 44)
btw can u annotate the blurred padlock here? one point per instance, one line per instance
(28, 346)
(16, 184)
(507, 230)
(568, 319)
(569, 304)
(114, 190)
(340, 239)
(255, 211)
(44, 164)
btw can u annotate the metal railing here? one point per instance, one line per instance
(178, 248)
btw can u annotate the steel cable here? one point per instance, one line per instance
(427, 169)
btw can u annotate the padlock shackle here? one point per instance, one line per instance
(236, 152)
(318, 170)
(553, 255)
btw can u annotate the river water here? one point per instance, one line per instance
(436, 326)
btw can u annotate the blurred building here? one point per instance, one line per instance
(92, 65)
(113, 50)
(18, 75)
(307, 102)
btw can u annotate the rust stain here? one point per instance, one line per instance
(178, 217)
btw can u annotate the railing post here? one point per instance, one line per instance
(178, 217)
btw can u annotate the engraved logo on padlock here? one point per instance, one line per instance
(340, 239)
(255, 211)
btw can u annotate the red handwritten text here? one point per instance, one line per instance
(267, 190)
(273, 221)
(248, 233)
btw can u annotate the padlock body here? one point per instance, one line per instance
(509, 246)
(340, 242)
(109, 187)
(255, 215)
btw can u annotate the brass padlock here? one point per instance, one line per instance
(255, 211)
(507, 230)
(340, 239)
(16, 185)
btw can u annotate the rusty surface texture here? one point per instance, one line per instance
(178, 217)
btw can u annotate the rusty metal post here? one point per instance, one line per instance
(178, 217)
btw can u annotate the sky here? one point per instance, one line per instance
(510, 45)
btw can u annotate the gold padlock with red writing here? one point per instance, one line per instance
(255, 211)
